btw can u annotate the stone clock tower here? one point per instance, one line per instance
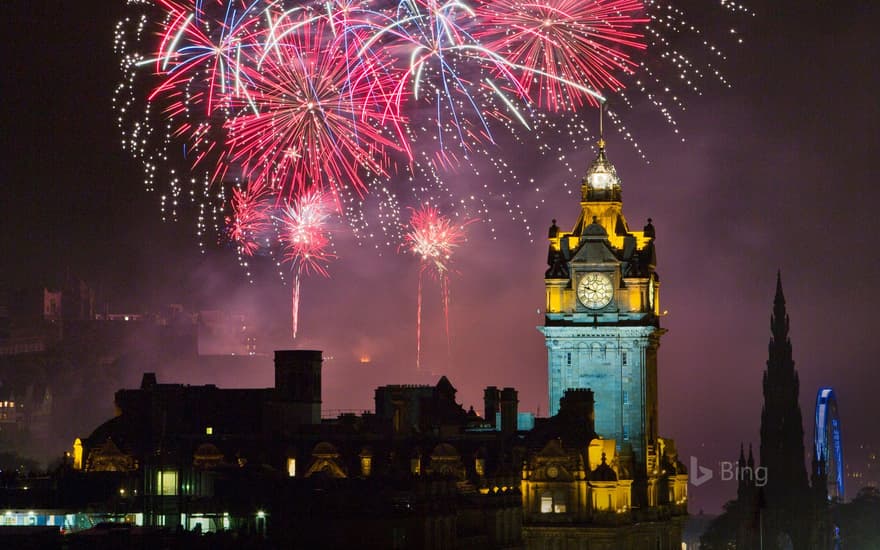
(602, 327)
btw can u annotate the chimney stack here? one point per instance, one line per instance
(491, 402)
(509, 403)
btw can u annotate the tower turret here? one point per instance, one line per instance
(298, 386)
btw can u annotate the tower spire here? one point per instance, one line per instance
(779, 319)
(782, 433)
(601, 125)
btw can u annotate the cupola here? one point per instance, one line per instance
(601, 182)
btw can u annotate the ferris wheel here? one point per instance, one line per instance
(827, 443)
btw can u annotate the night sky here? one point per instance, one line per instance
(778, 172)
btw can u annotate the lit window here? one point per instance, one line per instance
(549, 505)
(166, 482)
(209, 430)
(291, 467)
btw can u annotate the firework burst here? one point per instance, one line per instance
(195, 48)
(560, 43)
(433, 238)
(249, 219)
(306, 241)
(316, 119)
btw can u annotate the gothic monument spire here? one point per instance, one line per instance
(782, 433)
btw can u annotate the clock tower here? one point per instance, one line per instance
(602, 326)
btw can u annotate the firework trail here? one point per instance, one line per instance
(306, 240)
(433, 238)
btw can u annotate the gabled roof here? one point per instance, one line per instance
(595, 252)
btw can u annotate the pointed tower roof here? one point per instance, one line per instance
(779, 319)
(782, 433)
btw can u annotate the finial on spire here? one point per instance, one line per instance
(779, 295)
(601, 125)
(779, 319)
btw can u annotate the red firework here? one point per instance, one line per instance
(564, 43)
(433, 238)
(314, 117)
(249, 219)
(306, 240)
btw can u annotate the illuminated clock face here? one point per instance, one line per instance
(651, 293)
(595, 290)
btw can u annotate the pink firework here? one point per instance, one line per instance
(433, 238)
(249, 218)
(315, 115)
(561, 44)
(306, 240)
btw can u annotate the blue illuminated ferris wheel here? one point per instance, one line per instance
(827, 443)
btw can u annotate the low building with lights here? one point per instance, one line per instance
(417, 472)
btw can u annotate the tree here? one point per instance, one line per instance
(721, 533)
